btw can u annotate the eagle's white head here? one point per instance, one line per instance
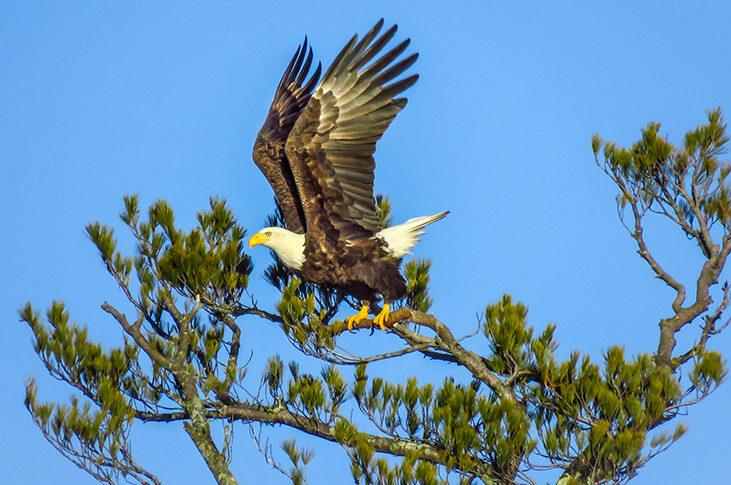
(289, 246)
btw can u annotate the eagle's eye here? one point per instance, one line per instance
(268, 234)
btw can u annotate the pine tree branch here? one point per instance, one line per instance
(445, 346)
(233, 355)
(708, 277)
(709, 329)
(278, 414)
(446, 342)
(135, 332)
(645, 254)
(198, 427)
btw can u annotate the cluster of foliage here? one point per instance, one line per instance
(520, 413)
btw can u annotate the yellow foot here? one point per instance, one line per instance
(361, 315)
(382, 318)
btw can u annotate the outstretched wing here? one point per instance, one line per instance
(289, 100)
(331, 146)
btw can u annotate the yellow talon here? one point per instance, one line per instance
(382, 318)
(361, 315)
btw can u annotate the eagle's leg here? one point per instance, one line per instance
(361, 315)
(382, 318)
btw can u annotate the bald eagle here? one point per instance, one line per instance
(316, 150)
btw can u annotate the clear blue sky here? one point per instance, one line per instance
(164, 100)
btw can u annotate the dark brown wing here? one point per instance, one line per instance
(289, 100)
(331, 146)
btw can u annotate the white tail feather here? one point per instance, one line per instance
(401, 239)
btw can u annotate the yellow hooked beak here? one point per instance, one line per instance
(256, 239)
